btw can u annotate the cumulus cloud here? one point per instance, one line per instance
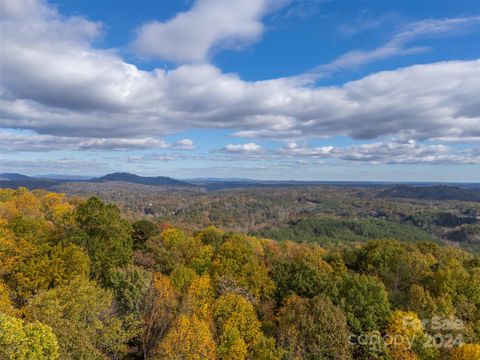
(391, 152)
(17, 142)
(210, 24)
(384, 152)
(71, 95)
(249, 148)
(184, 144)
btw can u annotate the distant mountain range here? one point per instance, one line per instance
(71, 184)
(143, 180)
(63, 177)
(14, 180)
(14, 177)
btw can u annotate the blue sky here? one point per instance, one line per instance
(308, 90)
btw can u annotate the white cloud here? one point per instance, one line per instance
(17, 142)
(422, 102)
(120, 144)
(249, 148)
(391, 152)
(21, 9)
(184, 144)
(385, 152)
(209, 24)
(56, 84)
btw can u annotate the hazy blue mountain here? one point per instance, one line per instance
(64, 177)
(132, 178)
(14, 177)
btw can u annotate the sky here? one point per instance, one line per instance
(261, 89)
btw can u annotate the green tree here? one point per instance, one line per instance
(299, 269)
(142, 231)
(211, 236)
(397, 265)
(182, 276)
(449, 277)
(297, 277)
(80, 314)
(130, 285)
(172, 248)
(240, 259)
(202, 261)
(104, 235)
(364, 300)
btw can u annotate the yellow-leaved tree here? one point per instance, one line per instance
(239, 331)
(6, 305)
(26, 341)
(402, 329)
(199, 297)
(157, 312)
(466, 352)
(189, 338)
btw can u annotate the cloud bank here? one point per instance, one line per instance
(388, 153)
(71, 95)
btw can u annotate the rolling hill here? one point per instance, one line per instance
(143, 180)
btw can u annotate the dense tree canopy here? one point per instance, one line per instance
(78, 281)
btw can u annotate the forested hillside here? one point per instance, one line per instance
(322, 214)
(78, 281)
(328, 230)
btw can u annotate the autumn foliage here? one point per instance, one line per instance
(80, 281)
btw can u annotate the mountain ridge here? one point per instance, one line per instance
(426, 190)
(15, 180)
(144, 180)
(14, 177)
